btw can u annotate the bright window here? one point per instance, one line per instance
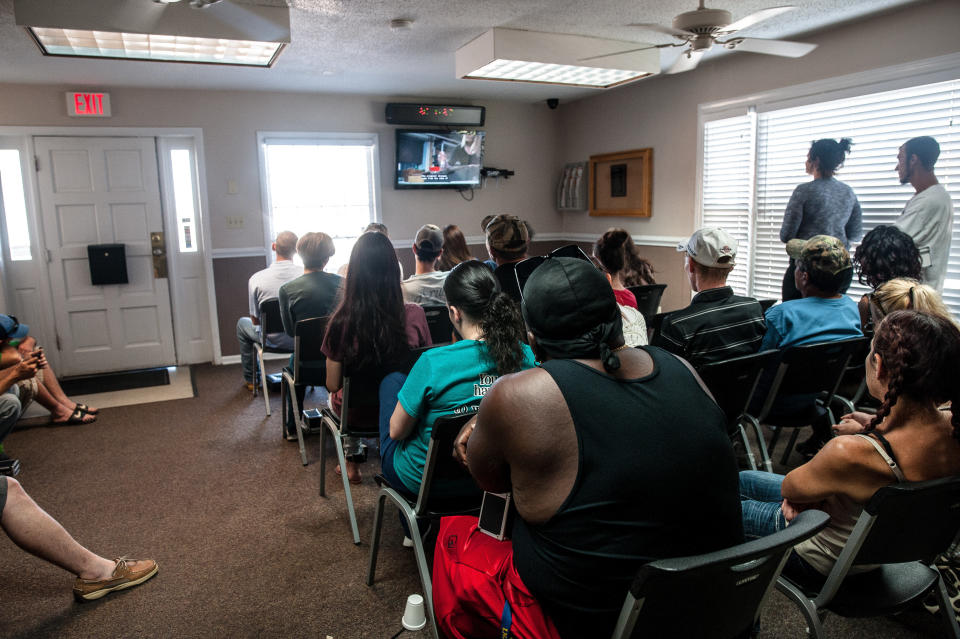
(323, 184)
(14, 205)
(184, 198)
(746, 191)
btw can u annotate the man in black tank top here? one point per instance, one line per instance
(614, 456)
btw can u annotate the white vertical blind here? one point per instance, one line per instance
(728, 187)
(878, 124)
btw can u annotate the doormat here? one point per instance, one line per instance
(120, 381)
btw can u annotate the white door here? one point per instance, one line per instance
(104, 191)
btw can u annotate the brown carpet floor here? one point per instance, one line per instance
(246, 546)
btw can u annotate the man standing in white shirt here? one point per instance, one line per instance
(265, 285)
(425, 286)
(928, 216)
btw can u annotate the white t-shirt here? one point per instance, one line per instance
(426, 289)
(928, 219)
(265, 284)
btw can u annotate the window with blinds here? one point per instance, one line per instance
(877, 123)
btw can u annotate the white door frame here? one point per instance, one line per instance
(33, 199)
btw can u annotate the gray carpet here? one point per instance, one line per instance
(246, 546)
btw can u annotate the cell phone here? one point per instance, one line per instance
(496, 515)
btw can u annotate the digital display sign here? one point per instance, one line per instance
(452, 114)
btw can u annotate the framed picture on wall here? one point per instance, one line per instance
(622, 183)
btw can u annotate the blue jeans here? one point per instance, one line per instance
(760, 501)
(248, 335)
(9, 411)
(389, 389)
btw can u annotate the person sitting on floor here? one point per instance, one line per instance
(583, 442)
(717, 325)
(313, 294)
(425, 286)
(823, 314)
(450, 380)
(885, 253)
(33, 530)
(372, 329)
(17, 344)
(913, 366)
(265, 285)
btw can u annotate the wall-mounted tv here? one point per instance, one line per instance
(431, 159)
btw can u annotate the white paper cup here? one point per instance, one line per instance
(413, 616)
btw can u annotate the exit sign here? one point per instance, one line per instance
(88, 105)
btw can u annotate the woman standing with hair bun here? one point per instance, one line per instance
(823, 206)
(451, 380)
(912, 367)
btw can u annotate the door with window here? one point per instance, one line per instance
(104, 190)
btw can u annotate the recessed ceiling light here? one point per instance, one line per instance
(553, 58)
(223, 33)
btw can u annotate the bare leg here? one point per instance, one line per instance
(59, 412)
(39, 534)
(53, 386)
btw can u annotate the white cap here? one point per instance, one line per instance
(710, 245)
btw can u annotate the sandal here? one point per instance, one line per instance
(86, 409)
(352, 481)
(76, 418)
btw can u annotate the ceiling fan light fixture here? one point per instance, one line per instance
(513, 55)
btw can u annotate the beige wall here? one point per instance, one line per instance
(662, 112)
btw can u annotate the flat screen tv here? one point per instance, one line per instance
(434, 159)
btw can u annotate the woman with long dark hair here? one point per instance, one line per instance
(617, 256)
(454, 248)
(913, 367)
(372, 330)
(886, 253)
(823, 206)
(451, 380)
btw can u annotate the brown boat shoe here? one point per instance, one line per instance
(128, 573)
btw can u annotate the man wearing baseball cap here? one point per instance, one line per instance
(508, 238)
(717, 325)
(604, 426)
(425, 286)
(823, 314)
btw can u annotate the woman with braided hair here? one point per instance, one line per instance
(450, 380)
(912, 367)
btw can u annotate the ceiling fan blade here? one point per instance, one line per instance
(687, 61)
(785, 48)
(616, 53)
(753, 19)
(659, 28)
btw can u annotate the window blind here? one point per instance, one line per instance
(878, 124)
(728, 187)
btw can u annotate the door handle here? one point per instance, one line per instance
(158, 247)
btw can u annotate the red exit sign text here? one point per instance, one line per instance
(96, 105)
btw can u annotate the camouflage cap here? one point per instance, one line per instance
(821, 253)
(508, 234)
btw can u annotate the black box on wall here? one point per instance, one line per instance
(108, 264)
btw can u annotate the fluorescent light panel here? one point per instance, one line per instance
(549, 58)
(144, 46)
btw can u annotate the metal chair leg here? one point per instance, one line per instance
(263, 381)
(375, 537)
(299, 425)
(789, 448)
(947, 615)
(323, 458)
(761, 442)
(746, 445)
(423, 568)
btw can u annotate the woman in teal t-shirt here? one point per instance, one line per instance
(451, 380)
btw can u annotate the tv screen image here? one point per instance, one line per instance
(438, 159)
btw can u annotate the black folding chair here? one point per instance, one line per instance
(814, 370)
(507, 276)
(903, 528)
(441, 328)
(648, 299)
(270, 322)
(732, 383)
(309, 369)
(735, 583)
(445, 489)
(765, 304)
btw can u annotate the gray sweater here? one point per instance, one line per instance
(823, 206)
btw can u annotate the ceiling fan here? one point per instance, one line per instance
(703, 28)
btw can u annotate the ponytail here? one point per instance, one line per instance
(502, 328)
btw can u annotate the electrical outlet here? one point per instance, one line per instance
(234, 221)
